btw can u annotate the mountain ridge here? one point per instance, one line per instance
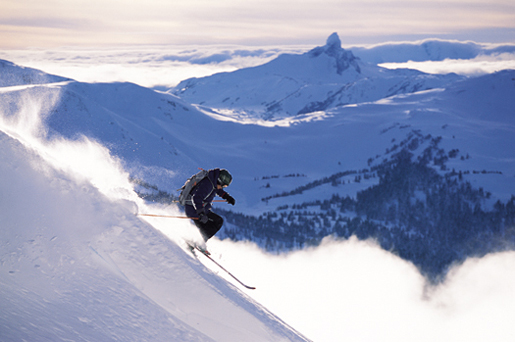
(322, 78)
(15, 75)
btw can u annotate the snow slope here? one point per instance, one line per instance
(77, 264)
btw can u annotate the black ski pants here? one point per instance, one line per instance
(211, 227)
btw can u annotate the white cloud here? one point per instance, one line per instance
(355, 291)
(147, 66)
(472, 67)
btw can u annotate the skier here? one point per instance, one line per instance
(198, 203)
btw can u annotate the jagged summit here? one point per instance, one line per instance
(333, 48)
(334, 41)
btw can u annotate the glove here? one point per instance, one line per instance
(229, 198)
(203, 218)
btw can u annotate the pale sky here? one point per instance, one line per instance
(57, 23)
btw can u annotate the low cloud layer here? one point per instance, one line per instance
(355, 291)
(474, 67)
(166, 66)
(148, 67)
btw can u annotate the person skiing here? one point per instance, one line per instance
(198, 203)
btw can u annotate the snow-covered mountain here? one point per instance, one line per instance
(323, 78)
(429, 174)
(285, 167)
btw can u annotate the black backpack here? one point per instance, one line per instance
(190, 184)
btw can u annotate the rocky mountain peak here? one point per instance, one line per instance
(333, 48)
(333, 41)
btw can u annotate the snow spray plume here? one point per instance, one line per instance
(22, 111)
(23, 115)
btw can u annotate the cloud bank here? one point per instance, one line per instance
(355, 291)
(166, 66)
(150, 66)
(474, 67)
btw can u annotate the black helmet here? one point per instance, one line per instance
(224, 178)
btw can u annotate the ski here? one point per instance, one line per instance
(226, 271)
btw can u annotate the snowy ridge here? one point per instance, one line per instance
(14, 75)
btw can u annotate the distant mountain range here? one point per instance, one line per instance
(319, 144)
(325, 77)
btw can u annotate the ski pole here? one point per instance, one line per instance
(169, 216)
(177, 201)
